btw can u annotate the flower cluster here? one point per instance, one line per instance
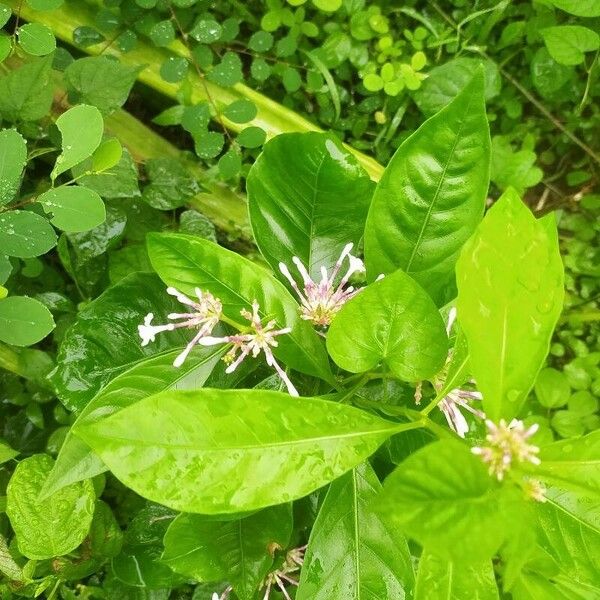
(507, 444)
(207, 312)
(457, 398)
(291, 565)
(320, 301)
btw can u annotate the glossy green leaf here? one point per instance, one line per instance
(107, 155)
(308, 197)
(573, 544)
(81, 128)
(186, 262)
(237, 551)
(24, 321)
(36, 39)
(352, 553)
(431, 196)
(13, 158)
(196, 451)
(72, 509)
(104, 340)
(73, 207)
(579, 8)
(510, 282)
(240, 111)
(443, 497)
(119, 181)
(567, 44)
(442, 579)
(25, 234)
(75, 460)
(393, 323)
(26, 93)
(6, 452)
(573, 464)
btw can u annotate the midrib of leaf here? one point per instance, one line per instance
(437, 192)
(573, 516)
(356, 535)
(312, 213)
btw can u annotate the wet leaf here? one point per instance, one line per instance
(24, 321)
(13, 158)
(25, 234)
(73, 207)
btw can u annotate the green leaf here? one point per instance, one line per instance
(567, 44)
(26, 93)
(573, 544)
(441, 579)
(71, 510)
(24, 321)
(393, 323)
(104, 341)
(25, 234)
(513, 168)
(240, 111)
(251, 137)
(228, 72)
(107, 155)
(431, 196)
(552, 388)
(6, 452)
(352, 553)
(81, 128)
(13, 158)
(174, 69)
(579, 8)
(185, 263)
(36, 39)
(75, 461)
(8, 565)
(237, 551)
(100, 81)
(510, 282)
(308, 197)
(445, 82)
(443, 497)
(572, 464)
(210, 443)
(73, 207)
(44, 4)
(170, 184)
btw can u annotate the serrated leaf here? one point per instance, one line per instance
(185, 263)
(237, 551)
(307, 197)
(73, 208)
(431, 196)
(392, 323)
(24, 321)
(13, 158)
(75, 460)
(352, 553)
(81, 128)
(510, 281)
(441, 579)
(72, 509)
(209, 443)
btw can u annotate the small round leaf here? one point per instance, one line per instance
(24, 321)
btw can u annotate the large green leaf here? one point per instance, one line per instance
(308, 197)
(52, 527)
(104, 340)
(573, 544)
(187, 262)
(510, 294)
(13, 158)
(391, 322)
(215, 451)
(238, 551)
(580, 8)
(443, 497)
(442, 579)
(352, 553)
(573, 464)
(75, 460)
(431, 196)
(567, 44)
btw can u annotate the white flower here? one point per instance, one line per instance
(320, 301)
(535, 490)
(508, 444)
(259, 339)
(207, 312)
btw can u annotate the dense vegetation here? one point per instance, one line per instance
(299, 299)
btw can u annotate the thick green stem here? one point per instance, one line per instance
(271, 116)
